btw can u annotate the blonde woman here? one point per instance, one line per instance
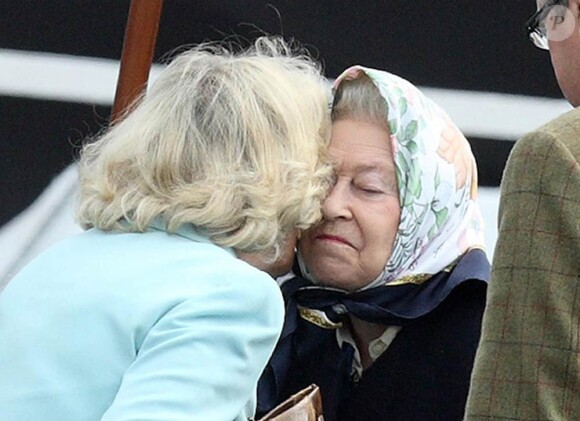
(165, 307)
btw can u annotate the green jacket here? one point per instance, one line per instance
(528, 361)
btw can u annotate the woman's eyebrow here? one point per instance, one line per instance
(372, 167)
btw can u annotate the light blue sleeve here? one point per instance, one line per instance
(203, 358)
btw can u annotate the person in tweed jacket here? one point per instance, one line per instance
(527, 365)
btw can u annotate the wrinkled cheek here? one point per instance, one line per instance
(566, 67)
(370, 273)
(381, 257)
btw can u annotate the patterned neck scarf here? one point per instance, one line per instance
(437, 182)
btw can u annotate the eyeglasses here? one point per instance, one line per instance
(536, 27)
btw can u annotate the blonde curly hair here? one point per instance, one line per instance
(231, 142)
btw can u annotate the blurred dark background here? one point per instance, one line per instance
(475, 46)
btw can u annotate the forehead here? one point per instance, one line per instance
(360, 144)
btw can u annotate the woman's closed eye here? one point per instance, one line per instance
(370, 189)
(374, 189)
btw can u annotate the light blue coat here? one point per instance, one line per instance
(135, 327)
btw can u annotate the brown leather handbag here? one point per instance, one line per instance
(305, 405)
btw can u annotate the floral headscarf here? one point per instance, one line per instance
(437, 182)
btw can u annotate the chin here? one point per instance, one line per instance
(574, 99)
(570, 89)
(279, 269)
(339, 282)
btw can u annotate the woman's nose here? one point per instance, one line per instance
(337, 204)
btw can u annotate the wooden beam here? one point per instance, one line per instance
(137, 55)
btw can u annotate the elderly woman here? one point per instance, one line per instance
(385, 312)
(166, 307)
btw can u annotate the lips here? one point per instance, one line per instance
(334, 239)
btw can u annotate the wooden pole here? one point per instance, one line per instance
(137, 55)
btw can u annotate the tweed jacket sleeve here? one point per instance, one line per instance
(527, 365)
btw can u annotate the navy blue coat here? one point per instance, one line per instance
(423, 375)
